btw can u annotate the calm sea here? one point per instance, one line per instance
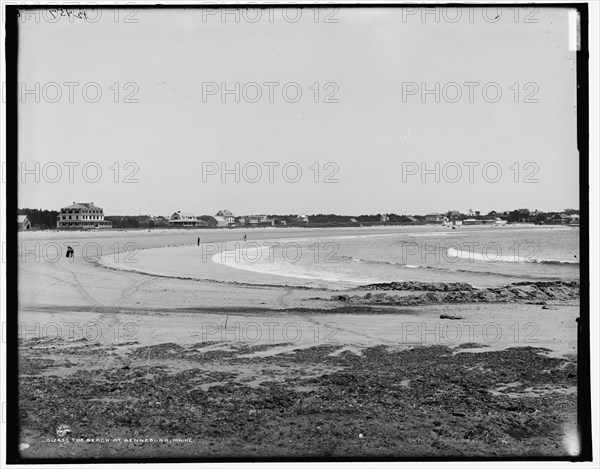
(348, 257)
(482, 256)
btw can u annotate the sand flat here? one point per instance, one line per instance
(134, 354)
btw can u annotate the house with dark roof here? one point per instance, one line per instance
(227, 215)
(186, 220)
(559, 219)
(82, 215)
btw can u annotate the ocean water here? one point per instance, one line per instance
(482, 256)
(338, 258)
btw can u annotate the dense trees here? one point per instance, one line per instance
(125, 221)
(40, 219)
(519, 215)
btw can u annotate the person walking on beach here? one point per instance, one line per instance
(70, 252)
(245, 237)
(198, 241)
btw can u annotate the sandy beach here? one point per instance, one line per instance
(299, 233)
(139, 365)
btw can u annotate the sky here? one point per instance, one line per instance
(364, 136)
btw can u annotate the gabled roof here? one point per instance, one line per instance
(224, 213)
(183, 216)
(21, 218)
(80, 205)
(220, 219)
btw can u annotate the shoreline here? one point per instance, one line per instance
(123, 354)
(285, 230)
(76, 284)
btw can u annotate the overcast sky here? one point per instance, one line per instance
(376, 138)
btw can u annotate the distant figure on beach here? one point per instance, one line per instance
(198, 241)
(70, 252)
(245, 237)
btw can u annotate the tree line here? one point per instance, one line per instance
(41, 219)
(46, 219)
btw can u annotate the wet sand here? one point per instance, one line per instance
(248, 371)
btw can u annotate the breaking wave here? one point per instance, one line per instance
(474, 256)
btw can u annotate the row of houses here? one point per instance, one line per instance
(224, 218)
(86, 215)
(556, 219)
(189, 220)
(563, 219)
(497, 221)
(429, 218)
